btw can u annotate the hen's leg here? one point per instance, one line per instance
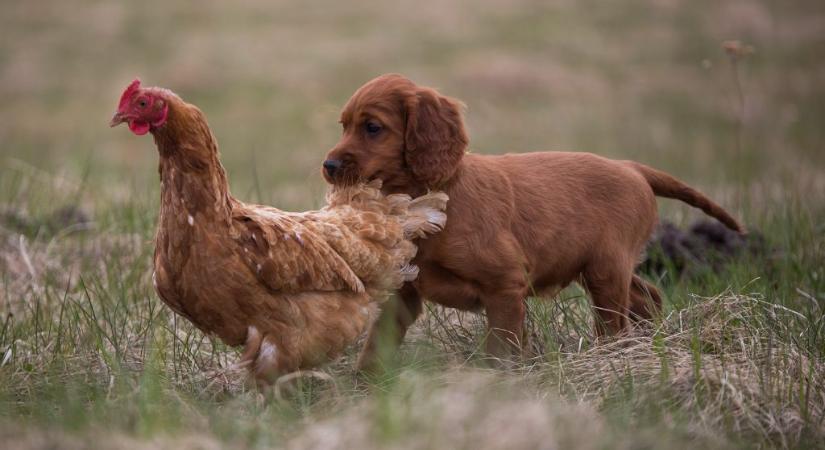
(251, 347)
(389, 330)
(270, 363)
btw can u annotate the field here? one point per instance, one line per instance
(90, 357)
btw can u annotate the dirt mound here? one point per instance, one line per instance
(706, 245)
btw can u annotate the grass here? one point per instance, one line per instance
(89, 357)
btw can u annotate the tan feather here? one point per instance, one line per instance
(296, 288)
(426, 215)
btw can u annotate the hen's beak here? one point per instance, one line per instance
(117, 119)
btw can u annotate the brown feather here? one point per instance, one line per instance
(297, 288)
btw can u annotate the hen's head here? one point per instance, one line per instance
(143, 109)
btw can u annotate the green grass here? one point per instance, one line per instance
(89, 356)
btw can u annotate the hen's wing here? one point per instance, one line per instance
(370, 242)
(289, 256)
(374, 232)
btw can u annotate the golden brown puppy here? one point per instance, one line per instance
(518, 223)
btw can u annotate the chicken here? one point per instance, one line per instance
(294, 288)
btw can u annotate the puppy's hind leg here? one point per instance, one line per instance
(645, 300)
(608, 281)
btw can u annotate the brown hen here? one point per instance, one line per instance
(295, 288)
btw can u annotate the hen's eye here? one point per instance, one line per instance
(142, 103)
(372, 128)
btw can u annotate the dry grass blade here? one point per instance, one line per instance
(729, 365)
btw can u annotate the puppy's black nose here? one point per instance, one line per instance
(331, 165)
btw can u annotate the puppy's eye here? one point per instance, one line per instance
(372, 128)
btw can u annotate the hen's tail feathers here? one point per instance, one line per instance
(425, 215)
(409, 272)
(665, 185)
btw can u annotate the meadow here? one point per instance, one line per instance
(91, 358)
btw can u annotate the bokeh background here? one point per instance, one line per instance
(728, 95)
(641, 79)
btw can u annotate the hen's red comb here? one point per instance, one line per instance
(128, 93)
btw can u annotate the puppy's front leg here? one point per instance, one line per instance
(505, 319)
(389, 329)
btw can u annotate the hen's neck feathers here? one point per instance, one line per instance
(193, 181)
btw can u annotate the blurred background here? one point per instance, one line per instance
(639, 79)
(728, 95)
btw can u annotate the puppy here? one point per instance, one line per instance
(519, 224)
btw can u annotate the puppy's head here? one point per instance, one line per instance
(397, 132)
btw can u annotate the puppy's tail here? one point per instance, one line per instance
(665, 185)
(425, 215)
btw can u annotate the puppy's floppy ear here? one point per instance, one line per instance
(435, 138)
